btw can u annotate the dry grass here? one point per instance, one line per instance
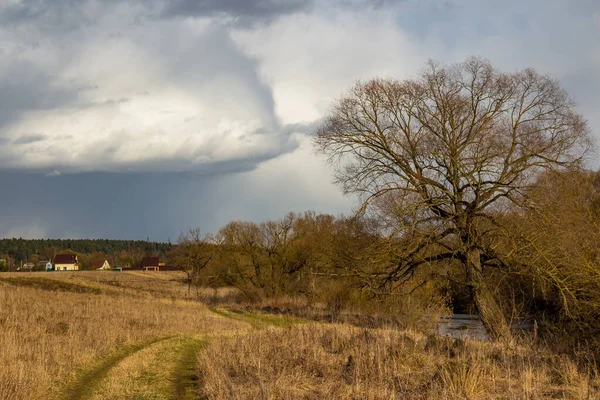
(343, 362)
(147, 374)
(47, 336)
(133, 335)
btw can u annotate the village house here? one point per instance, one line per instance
(66, 262)
(28, 266)
(151, 264)
(42, 265)
(100, 265)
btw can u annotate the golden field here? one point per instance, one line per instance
(133, 335)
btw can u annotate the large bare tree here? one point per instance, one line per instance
(444, 152)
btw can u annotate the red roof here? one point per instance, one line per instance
(65, 259)
(150, 262)
(98, 263)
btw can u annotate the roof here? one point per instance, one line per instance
(150, 262)
(98, 263)
(65, 259)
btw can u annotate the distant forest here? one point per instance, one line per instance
(21, 249)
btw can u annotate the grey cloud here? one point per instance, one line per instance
(254, 9)
(288, 129)
(280, 139)
(250, 12)
(68, 15)
(190, 68)
(367, 3)
(27, 139)
(26, 87)
(111, 206)
(56, 15)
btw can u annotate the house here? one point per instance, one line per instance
(28, 266)
(150, 264)
(100, 265)
(42, 265)
(66, 262)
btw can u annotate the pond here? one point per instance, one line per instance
(470, 326)
(462, 326)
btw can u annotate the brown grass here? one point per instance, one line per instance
(47, 336)
(133, 335)
(344, 362)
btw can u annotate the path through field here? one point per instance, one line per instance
(160, 368)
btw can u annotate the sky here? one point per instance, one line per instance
(146, 118)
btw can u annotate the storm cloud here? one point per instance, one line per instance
(205, 108)
(260, 9)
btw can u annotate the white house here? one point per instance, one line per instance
(66, 262)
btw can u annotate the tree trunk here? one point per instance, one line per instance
(488, 309)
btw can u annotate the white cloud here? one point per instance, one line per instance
(309, 59)
(167, 95)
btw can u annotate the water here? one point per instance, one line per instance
(463, 326)
(470, 326)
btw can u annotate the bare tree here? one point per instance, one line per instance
(443, 153)
(192, 254)
(272, 257)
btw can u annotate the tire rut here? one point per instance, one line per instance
(186, 380)
(85, 385)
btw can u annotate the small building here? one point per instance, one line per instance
(49, 266)
(66, 262)
(150, 264)
(28, 266)
(100, 265)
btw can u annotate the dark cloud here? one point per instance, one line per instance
(367, 3)
(66, 15)
(117, 206)
(26, 139)
(252, 9)
(155, 205)
(249, 12)
(55, 15)
(26, 87)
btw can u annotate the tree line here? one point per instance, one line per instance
(17, 250)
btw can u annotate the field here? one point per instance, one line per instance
(134, 335)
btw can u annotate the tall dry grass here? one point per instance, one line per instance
(47, 335)
(49, 331)
(344, 362)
